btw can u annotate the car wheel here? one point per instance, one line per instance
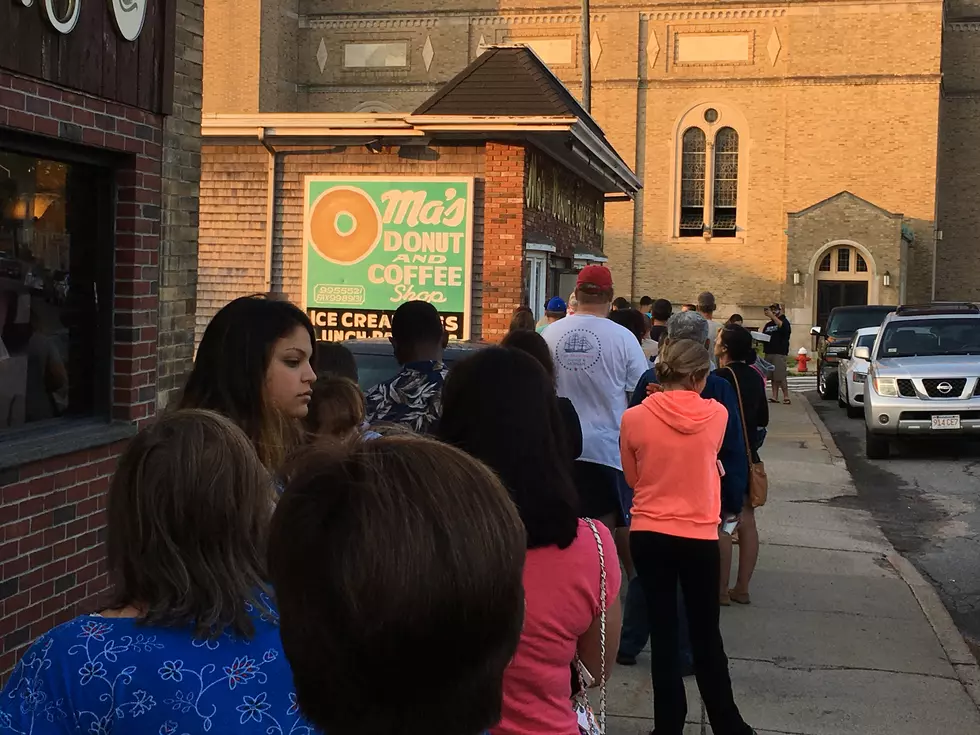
(876, 446)
(824, 386)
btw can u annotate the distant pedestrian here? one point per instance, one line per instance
(499, 407)
(523, 319)
(689, 307)
(555, 309)
(534, 345)
(735, 355)
(735, 319)
(253, 366)
(621, 304)
(646, 306)
(191, 612)
(707, 308)
(333, 358)
(598, 364)
(662, 310)
(413, 398)
(670, 450)
(650, 346)
(776, 350)
(397, 566)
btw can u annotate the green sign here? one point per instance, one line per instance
(373, 243)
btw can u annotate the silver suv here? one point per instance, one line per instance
(924, 376)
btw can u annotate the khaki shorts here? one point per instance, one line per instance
(779, 368)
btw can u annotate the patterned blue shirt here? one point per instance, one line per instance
(412, 398)
(101, 675)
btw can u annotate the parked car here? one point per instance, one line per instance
(924, 376)
(834, 340)
(852, 373)
(376, 362)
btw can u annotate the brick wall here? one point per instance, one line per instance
(503, 259)
(52, 560)
(233, 249)
(180, 206)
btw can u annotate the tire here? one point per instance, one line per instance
(825, 386)
(855, 412)
(876, 446)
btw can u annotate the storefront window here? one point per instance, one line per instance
(55, 289)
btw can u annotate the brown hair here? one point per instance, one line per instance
(523, 319)
(533, 344)
(336, 408)
(683, 362)
(592, 297)
(376, 557)
(188, 510)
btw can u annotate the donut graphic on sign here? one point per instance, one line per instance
(345, 225)
(129, 16)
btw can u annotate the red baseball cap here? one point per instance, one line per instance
(595, 279)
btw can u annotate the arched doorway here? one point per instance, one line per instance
(842, 273)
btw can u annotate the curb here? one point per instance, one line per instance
(960, 658)
(825, 436)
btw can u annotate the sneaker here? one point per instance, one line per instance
(624, 660)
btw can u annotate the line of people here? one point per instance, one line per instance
(290, 556)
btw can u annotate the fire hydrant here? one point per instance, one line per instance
(802, 358)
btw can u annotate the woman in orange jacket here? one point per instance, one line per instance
(669, 447)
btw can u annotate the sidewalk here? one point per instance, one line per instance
(836, 640)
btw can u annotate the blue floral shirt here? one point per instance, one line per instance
(100, 675)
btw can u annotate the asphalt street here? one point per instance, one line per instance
(926, 500)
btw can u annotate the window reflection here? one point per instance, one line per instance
(48, 342)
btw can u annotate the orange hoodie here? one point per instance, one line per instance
(669, 445)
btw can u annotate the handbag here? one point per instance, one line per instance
(588, 723)
(758, 480)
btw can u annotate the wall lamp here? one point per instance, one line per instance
(796, 277)
(374, 145)
(886, 279)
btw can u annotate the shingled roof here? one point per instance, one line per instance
(507, 81)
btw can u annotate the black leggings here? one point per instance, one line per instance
(661, 562)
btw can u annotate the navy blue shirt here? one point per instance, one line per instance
(735, 483)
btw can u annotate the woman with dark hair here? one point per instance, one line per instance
(253, 366)
(523, 319)
(563, 581)
(533, 344)
(736, 354)
(190, 641)
(632, 320)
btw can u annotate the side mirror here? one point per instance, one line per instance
(816, 331)
(862, 353)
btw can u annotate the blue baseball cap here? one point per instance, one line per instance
(556, 303)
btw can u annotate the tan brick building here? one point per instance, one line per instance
(811, 152)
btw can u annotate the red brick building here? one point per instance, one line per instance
(99, 171)
(535, 168)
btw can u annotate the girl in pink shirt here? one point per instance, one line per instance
(669, 447)
(500, 407)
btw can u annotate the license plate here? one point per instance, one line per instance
(945, 422)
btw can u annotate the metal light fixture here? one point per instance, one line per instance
(886, 279)
(796, 277)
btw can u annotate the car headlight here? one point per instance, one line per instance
(887, 387)
(860, 377)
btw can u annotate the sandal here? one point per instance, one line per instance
(773, 400)
(787, 402)
(742, 598)
(724, 600)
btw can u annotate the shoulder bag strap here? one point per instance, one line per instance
(602, 625)
(741, 412)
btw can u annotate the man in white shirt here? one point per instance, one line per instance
(706, 308)
(598, 364)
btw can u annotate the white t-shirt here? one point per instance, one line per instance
(597, 363)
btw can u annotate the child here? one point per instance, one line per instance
(337, 409)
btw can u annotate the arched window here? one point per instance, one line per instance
(693, 154)
(726, 183)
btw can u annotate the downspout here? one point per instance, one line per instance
(270, 208)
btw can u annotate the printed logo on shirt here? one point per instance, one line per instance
(579, 349)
